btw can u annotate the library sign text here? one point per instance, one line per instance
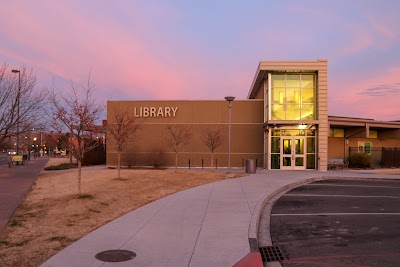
(145, 112)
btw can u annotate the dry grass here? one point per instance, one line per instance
(58, 161)
(52, 216)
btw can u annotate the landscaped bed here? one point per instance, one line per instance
(53, 215)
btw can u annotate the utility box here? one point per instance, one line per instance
(251, 166)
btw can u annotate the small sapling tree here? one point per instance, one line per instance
(178, 137)
(77, 112)
(212, 139)
(122, 128)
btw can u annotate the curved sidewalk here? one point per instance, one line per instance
(15, 182)
(209, 225)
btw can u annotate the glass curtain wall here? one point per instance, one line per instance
(293, 96)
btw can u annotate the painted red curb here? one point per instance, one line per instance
(252, 259)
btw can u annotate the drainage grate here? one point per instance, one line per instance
(115, 255)
(271, 253)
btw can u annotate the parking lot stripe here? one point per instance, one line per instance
(313, 195)
(352, 185)
(334, 214)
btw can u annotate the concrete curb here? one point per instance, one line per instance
(253, 227)
(255, 218)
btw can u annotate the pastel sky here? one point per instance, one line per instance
(177, 49)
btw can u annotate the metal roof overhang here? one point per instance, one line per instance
(358, 122)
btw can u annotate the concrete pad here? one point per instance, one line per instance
(169, 238)
(209, 225)
(110, 236)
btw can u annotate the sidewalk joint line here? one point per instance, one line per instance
(202, 222)
(145, 224)
(245, 196)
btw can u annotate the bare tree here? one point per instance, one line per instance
(178, 137)
(213, 138)
(77, 112)
(21, 105)
(122, 128)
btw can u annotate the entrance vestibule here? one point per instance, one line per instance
(292, 149)
(292, 153)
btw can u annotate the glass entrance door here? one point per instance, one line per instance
(292, 153)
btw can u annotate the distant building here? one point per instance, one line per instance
(283, 124)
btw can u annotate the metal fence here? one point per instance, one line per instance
(390, 157)
(380, 156)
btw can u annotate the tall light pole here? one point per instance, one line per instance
(230, 100)
(18, 96)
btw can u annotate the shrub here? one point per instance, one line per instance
(129, 159)
(157, 157)
(360, 160)
(62, 166)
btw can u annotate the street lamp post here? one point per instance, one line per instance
(230, 100)
(18, 98)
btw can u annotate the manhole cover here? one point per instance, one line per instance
(115, 255)
(271, 253)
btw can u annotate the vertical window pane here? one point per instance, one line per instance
(292, 112)
(307, 95)
(310, 161)
(307, 112)
(277, 112)
(278, 80)
(275, 145)
(299, 161)
(275, 161)
(307, 81)
(310, 145)
(293, 80)
(292, 96)
(278, 95)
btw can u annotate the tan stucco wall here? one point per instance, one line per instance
(336, 148)
(246, 133)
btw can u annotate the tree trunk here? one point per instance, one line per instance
(119, 165)
(212, 161)
(79, 176)
(70, 146)
(176, 160)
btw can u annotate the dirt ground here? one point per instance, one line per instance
(53, 215)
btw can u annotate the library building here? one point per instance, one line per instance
(283, 125)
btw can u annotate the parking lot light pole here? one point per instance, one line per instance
(18, 99)
(230, 100)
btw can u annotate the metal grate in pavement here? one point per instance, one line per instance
(272, 253)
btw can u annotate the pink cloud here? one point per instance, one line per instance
(373, 97)
(386, 30)
(123, 60)
(358, 39)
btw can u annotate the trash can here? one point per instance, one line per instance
(250, 166)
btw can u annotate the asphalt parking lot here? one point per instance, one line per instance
(339, 223)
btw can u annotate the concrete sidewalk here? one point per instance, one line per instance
(15, 182)
(209, 225)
